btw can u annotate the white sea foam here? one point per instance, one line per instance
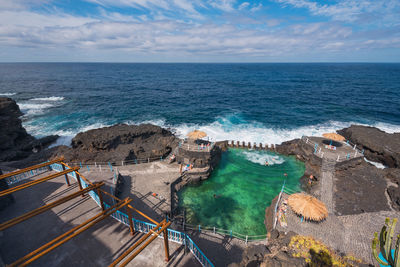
(51, 98)
(224, 129)
(8, 94)
(34, 108)
(66, 136)
(262, 157)
(376, 164)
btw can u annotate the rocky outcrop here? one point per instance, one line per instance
(393, 177)
(306, 154)
(275, 253)
(378, 145)
(359, 187)
(120, 142)
(16, 143)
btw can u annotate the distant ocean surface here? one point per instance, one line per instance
(268, 103)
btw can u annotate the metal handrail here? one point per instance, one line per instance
(173, 235)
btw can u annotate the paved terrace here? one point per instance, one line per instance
(140, 182)
(98, 246)
(351, 233)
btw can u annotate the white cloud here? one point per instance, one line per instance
(243, 5)
(348, 10)
(256, 8)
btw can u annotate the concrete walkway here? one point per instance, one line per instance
(98, 246)
(326, 192)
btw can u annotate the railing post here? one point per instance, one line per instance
(231, 233)
(246, 239)
(148, 160)
(100, 194)
(199, 228)
(100, 167)
(66, 176)
(166, 245)
(78, 178)
(109, 164)
(130, 220)
(80, 164)
(122, 163)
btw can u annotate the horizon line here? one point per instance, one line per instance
(196, 62)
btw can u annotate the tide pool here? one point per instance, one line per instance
(238, 191)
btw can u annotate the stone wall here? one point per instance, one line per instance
(199, 159)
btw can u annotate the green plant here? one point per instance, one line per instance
(385, 244)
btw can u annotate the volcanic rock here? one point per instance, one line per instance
(120, 142)
(16, 143)
(359, 187)
(378, 145)
(306, 154)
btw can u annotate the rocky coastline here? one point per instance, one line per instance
(16, 143)
(376, 189)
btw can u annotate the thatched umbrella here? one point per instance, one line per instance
(196, 134)
(308, 206)
(334, 136)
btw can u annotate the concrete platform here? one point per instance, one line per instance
(141, 181)
(98, 246)
(341, 151)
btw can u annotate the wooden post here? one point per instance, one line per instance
(78, 178)
(166, 245)
(66, 176)
(100, 194)
(130, 220)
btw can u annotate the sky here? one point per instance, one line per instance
(199, 31)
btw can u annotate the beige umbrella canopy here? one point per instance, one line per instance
(196, 134)
(308, 206)
(334, 136)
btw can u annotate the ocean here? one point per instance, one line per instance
(268, 103)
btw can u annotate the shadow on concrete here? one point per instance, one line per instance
(221, 250)
(29, 235)
(147, 203)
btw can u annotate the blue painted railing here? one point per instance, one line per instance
(144, 227)
(25, 175)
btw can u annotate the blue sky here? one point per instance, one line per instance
(200, 30)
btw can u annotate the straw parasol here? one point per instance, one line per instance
(308, 206)
(334, 136)
(196, 134)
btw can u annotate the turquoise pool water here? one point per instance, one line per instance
(243, 187)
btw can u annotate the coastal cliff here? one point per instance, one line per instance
(16, 143)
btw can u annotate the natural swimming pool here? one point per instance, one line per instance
(239, 189)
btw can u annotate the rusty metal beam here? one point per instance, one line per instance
(132, 208)
(43, 250)
(46, 207)
(137, 243)
(30, 168)
(35, 182)
(156, 234)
